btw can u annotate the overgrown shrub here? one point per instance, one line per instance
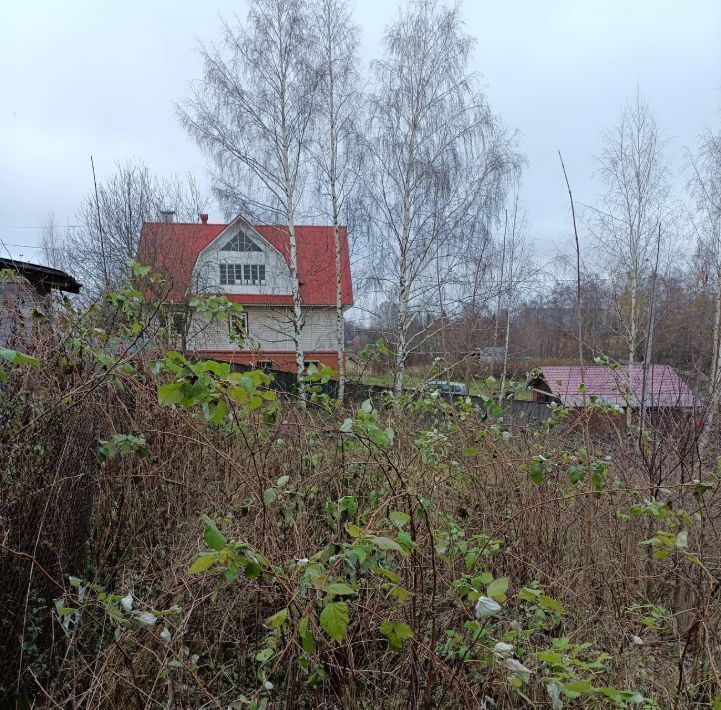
(240, 552)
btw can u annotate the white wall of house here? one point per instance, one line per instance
(206, 274)
(269, 328)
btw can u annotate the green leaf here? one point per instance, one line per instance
(215, 411)
(269, 495)
(551, 657)
(536, 472)
(619, 695)
(264, 655)
(282, 481)
(347, 425)
(170, 394)
(551, 604)
(306, 637)
(353, 530)
(405, 541)
(378, 436)
(497, 588)
(252, 570)
(349, 504)
(470, 451)
(575, 474)
(701, 487)
(340, 589)
(18, 358)
(575, 688)
(278, 619)
(528, 594)
(396, 633)
(384, 543)
(203, 563)
(388, 574)
(303, 662)
(398, 518)
(356, 554)
(316, 677)
(400, 594)
(334, 620)
(212, 536)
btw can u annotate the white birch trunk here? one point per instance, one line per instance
(340, 329)
(403, 285)
(497, 325)
(504, 373)
(631, 350)
(297, 314)
(295, 284)
(339, 320)
(402, 325)
(714, 384)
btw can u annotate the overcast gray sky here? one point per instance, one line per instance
(93, 76)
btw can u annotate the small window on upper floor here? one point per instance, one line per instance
(254, 274)
(240, 242)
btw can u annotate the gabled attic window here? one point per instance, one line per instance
(240, 242)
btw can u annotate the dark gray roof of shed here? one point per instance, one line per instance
(44, 275)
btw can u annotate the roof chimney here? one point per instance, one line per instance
(204, 217)
(167, 215)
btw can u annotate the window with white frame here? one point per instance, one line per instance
(242, 274)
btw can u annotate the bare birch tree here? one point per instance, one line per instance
(705, 189)
(477, 293)
(436, 150)
(501, 271)
(635, 174)
(517, 270)
(105, 238)
(52, 244)
(253, 112)
(336, 148)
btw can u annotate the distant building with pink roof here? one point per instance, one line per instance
(664, 388)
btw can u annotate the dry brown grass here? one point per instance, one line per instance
(577, 542)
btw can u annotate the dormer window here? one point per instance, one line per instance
(240, 242)
(242, 274)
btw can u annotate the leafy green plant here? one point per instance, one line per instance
(123, 444)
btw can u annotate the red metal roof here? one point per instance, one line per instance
(664, 387)
(172, 249)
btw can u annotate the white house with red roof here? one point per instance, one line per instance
(250, 265)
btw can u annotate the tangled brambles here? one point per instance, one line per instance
(175, 532)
